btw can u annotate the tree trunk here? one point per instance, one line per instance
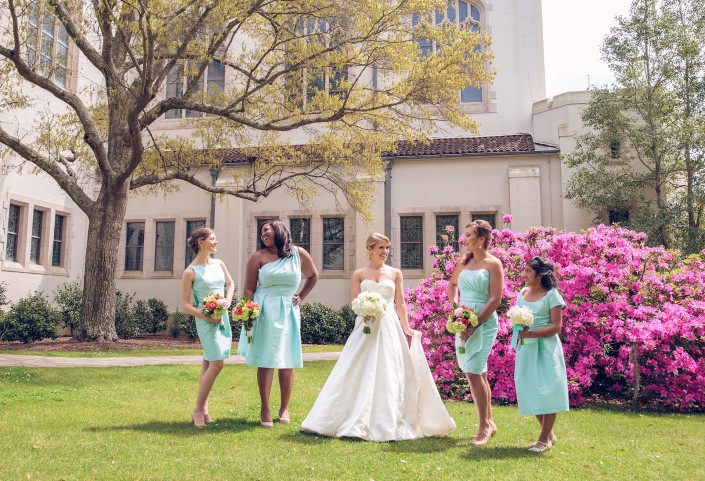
(104, 227)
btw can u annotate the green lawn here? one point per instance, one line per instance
(141, 352)
(134, 424)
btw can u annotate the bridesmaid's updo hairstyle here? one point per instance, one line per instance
(545, 271)
(373, 239)
(482, 228)
(282, 237)
(202, 233)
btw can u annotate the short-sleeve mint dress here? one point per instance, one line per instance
(216, 339)
(474, 288)
(539, 373)
(276, 334)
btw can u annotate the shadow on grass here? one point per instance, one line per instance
(423, 445)
(221, 425)
(474, 453)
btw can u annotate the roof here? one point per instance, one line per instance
(520, 143)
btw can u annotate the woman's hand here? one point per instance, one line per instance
(410, 332)
(465, 335)
(296, 300)
(523, 334)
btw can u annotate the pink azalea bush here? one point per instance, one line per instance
(634, 327)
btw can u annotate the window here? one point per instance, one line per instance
(619, 216)
(134, 247)
(191, 226)
(333, 243)
(411, 242)
(615, 145)
(301, 232)
(47, 44)
(443, 221)
(56, 252)
(164, 246)
(329, 79)
(35, 247)
(13, 232)
(177, 82)
(491, 218)
(466, 16)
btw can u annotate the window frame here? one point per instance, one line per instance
(170, 248)
(139, 248)
(36, 234)
(476, 24)
(490, 217)
(57, 245)
(190, 256)
(37, 49)
(178, 82)
(16, 233)
(441, 232)
(418, 243)
(328, 243)
(307, 245)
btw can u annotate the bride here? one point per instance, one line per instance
(380, 390)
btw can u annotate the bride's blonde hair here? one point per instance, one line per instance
(373, 239)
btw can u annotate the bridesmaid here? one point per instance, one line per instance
(480, 278)
(203, 276)
(272, 277)
(539, 372)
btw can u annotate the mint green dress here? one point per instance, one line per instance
(276, 334)
(539, 372)
(216, 339)
(474, 288)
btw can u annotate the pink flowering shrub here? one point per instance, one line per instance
(634, 327)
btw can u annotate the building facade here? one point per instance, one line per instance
(512, 167)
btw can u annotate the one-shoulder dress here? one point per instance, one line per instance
(474, 288)
(276, 334)
(539, 372)
(216, 339)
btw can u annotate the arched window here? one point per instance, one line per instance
(465, 15)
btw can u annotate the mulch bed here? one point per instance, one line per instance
(159, 341)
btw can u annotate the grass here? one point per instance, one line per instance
(141, 352)
(134, 424)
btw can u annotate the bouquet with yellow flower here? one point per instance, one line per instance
(247, 311)
(214, 305)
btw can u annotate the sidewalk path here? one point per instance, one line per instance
(44, 361)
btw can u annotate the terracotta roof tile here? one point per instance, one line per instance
(519, 143)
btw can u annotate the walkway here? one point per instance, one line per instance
(44, 361)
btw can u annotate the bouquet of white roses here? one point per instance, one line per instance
(369, 305)
(520, 317)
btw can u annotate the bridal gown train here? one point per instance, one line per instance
(380, 389)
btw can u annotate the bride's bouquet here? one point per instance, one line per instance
(215, 305)
(246, 311)
(369, 305)
(520, 317)
(459, 319)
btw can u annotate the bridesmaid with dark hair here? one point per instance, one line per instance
(272, 277)
(539, 372)
(203, 276)
(478, 280)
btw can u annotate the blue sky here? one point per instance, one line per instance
(573, 31)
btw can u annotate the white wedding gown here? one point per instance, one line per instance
(380, 390)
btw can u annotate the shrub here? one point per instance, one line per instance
(188, 327)
(321, 324)
(348, 316)
(141, 314)
(156, 317)
(175, 325)
(31, 319)
(127, 324)
(3, 294)
(632, 329)
(69, 297)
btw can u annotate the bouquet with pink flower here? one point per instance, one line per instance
(459, 319)
(247, 311)
(215, 305)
